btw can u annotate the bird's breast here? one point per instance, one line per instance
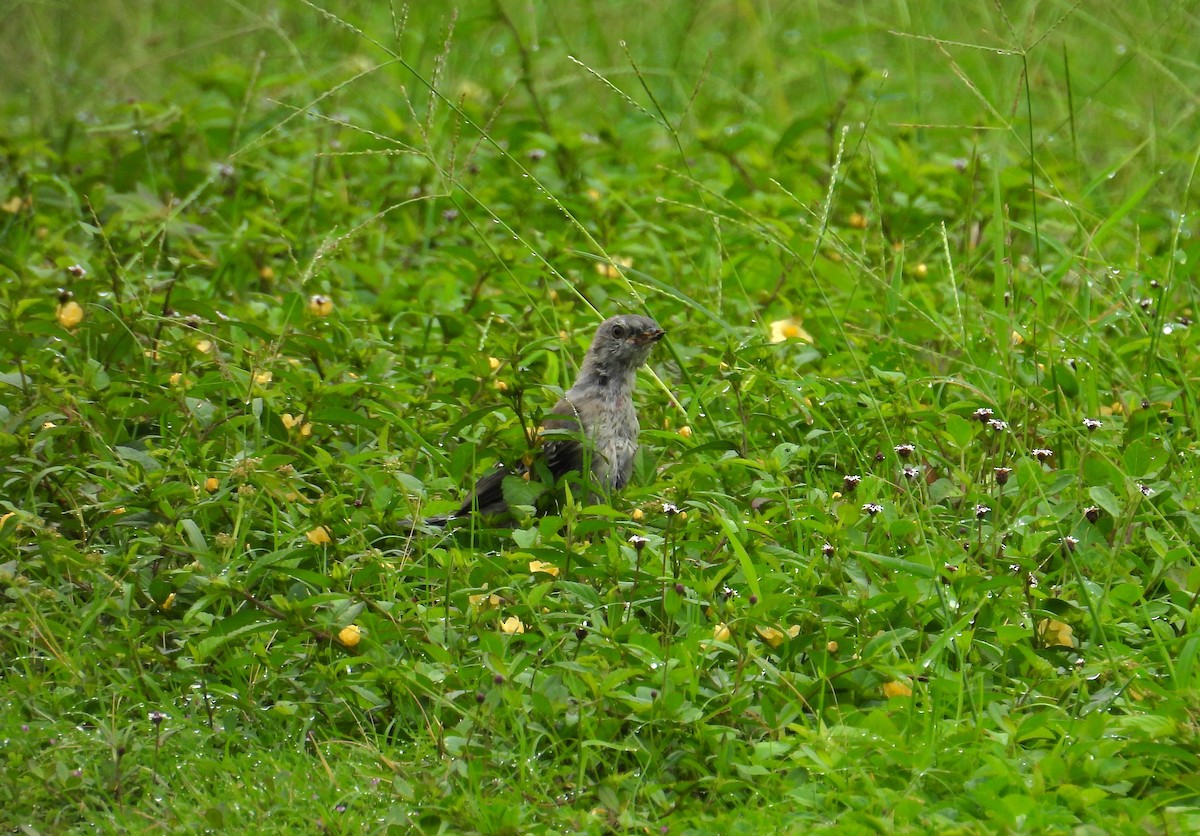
(614, 437)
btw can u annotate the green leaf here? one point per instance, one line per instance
(336, 416)
(1103, 497)
(731, 532)
(1144, 458)
(147, 462)
(525, 537)
(908, 567)
(518, 491)
(194, 536)
(893, 377)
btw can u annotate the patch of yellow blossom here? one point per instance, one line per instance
(350, 635)
(789, 329)
(1054, 632)
(612, 269)
(319, 305)
(484, 600)
(69, 314)
(774, 636)
(292, 421)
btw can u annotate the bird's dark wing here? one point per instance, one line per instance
(562, 453)
(488, 496)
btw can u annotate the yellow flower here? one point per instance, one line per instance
(350, 635)
(895, 688)
(289, 420)
(176, 378)
(204, 346)
(69, 314)
(789, 329)
(512, 626)
(543, 566)
(857, 220)
(49, 425)
(921, 270)
(319, 536)
(771, 635)
(1017, 338)
(319, 305)
(263, 378)
(831, 647)
(501, 386)
(4, 519)
(266, 273)
(12, 205)
(685, 431)
(612, 269)
(168, 602)
(1055, 632)
(638, 515)
(485, 600)
(721, 632)
(211, 484)
(493, 363)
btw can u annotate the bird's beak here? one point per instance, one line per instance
(651, 336)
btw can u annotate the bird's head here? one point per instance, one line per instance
(623, 342)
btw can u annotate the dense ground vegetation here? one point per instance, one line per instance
(911, 543)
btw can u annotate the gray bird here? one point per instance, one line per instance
(593, 425)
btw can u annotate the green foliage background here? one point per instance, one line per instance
(299, 236)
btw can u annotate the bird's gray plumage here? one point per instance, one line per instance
(594, 424)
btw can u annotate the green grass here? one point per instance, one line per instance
(968, 206)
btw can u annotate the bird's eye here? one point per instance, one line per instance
(618, 332)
